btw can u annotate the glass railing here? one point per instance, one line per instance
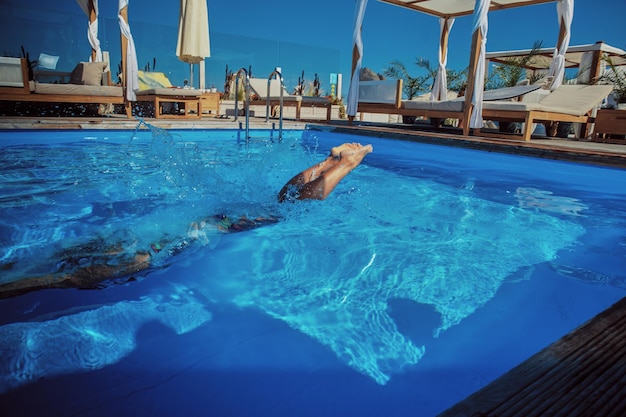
(62, 33)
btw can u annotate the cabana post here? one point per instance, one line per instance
(357, 59)
(90, 8)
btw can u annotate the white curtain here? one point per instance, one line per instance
(565, 12)
(131, 69)
(92, 30)
(440, 87)
(353, 92)
(481, 24)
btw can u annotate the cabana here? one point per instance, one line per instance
(447, 10)
(587, 59)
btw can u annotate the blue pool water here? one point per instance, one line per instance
(426, 274)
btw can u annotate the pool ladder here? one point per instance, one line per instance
(244, 73)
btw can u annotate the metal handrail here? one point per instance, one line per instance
(247, 94)
(267, 107)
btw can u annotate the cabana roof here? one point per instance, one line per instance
(456, 8)
(573, 56)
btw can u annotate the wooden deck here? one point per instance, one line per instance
(582, 374)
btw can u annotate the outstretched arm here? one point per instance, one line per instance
(318, 181)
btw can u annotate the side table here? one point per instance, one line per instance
(610, 125)
(210, 104)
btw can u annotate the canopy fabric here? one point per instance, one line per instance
(440, 86)
(90, 8)
(584, 73)
(456, 8)
(131, 67)
(565, 12)
(573, 57)
(481, 25)
(357, 59)
(193, 32)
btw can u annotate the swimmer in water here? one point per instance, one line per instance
(89, 265)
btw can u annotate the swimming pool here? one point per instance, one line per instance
(427, 273)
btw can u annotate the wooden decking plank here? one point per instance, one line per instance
(545, 395)
(598, 364)
(612, 399)
(524, 387)
(605, 396)
(604, 376)
(568, 371)
(601, 366)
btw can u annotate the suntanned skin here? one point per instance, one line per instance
(316, 182)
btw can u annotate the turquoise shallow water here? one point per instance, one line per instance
(427, 273)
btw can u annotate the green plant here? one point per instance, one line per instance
(148, 68)
(411, 86)
(617, 76)
(512, 70)
(308, 88)
(414, 85)
(30, 64)
(228, 78)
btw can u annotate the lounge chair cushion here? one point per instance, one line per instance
(259, 86)
(157, 84)
(88, 73)
(149, 80)
(72, 89)
(450, 105)
(378, 91)
(172, 91)
(575, 100)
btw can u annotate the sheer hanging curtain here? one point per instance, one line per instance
(357, 59)
(440, 87)
(130, 69)
(481, 24)
(565, 12)
(90, 8)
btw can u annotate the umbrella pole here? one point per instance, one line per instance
(190, 75)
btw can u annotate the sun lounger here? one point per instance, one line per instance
(259, 87)
(165, 100)
(85, 86)
(568, 103)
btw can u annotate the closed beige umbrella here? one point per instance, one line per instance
(193, 35)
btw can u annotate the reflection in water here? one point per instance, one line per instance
(331, 274)
(92, 339)
(547, 201)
